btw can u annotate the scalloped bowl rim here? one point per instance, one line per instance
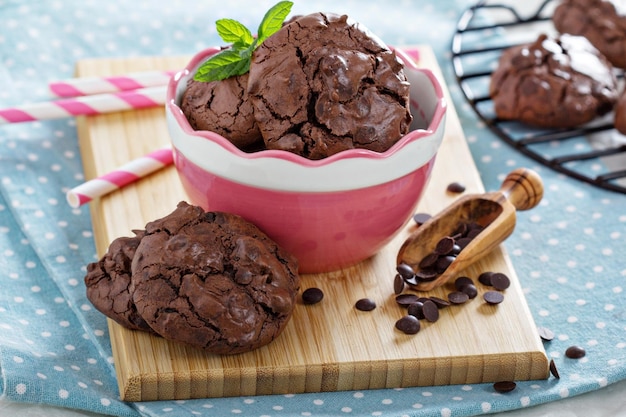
(296, 172)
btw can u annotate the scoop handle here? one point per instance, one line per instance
(523, 188)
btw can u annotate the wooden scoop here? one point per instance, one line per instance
(495, 212)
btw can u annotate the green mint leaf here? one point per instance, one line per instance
(273, 20)
(224, 64)
(236, 60)
(232, 31)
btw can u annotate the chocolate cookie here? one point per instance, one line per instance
(222, 107)
(213, 280)
(108, 282)
(323, 84)
(602, 22)
(553, 82)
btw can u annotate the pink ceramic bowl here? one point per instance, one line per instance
(329, 213)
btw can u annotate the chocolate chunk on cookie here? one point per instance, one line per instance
(323, 84)
(553, 82)
(213, 280)
(108, 283)
(222, 107)
(602, 22)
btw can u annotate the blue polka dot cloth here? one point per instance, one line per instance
(569, 252)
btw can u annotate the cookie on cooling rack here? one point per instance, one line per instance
(553, 82)
(602, 22)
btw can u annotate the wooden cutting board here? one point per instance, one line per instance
(329, 346)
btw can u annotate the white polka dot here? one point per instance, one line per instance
(346, 409)
(524, 401)
(486, 407)
(446, 412)
(318, 402)
(105, 402)
(20, 389)
(564, 393)
(64, 394)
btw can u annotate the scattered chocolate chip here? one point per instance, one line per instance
(460, 282)
(365, 304)
(398, 284)
(493, 297)
(406, 300)
(430, 311)
(458, 297)
(408, 324)
(553, 370)
(485, 278)
(545, 333)
(470, 290)
(421, 218)
(455, 187)
(500, 281)
(440, 302)
(312, 295)
(575, 352)
(416, 309)
(504, 386)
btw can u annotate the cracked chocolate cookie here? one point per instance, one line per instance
(602, 22)
(108, 283)
(553, 82)
(323, 84)
(222, 107)
(213, 280)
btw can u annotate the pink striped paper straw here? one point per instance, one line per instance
(86, 86)
(85, 106)
(116, 179)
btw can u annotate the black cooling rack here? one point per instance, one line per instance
(593, 153)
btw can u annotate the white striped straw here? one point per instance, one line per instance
(120, 177)
(86, 86)
(85, 106)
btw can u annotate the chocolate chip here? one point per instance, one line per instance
(444, 262)
(440, 302)
(504, 386)
(500, 281)
(493, 297)
(455, 187)
(485, 278)
(398, 284)
(408, 324)
(462, 242)
(406, 300)
(460, 282)
(405, 271)
(428, 260)
(312, 295)
(553, 370)
(545, 333)
(470, 290)
(416, 309)
(444, 246)
(458, 297)
(426, 275)
(365, 304)
(430, 311)
(421, 218)
(575, 352)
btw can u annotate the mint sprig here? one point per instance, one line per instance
(236, 59)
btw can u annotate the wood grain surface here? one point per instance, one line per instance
(329, 346)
